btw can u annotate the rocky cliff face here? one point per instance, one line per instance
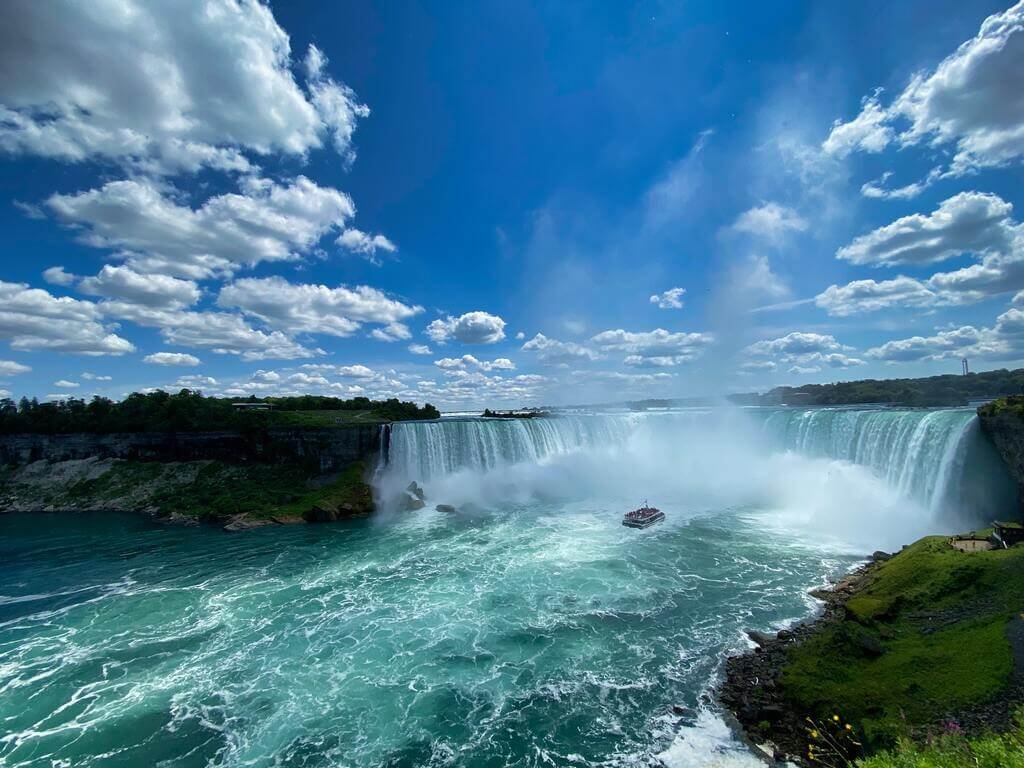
(1002, 421)
(320, 449)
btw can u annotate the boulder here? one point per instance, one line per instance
(446, 508)
(410, 503)
(319, 514)
(415, 490)
(761, 638)
(879, 556)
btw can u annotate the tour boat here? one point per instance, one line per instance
(643, 517)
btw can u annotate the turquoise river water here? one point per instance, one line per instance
(528, 629)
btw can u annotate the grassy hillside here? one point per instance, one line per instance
(928, 640)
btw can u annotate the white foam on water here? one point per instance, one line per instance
(708, 743)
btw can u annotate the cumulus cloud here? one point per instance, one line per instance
(209, 81)
(770, 221)
(65, 384)
(871, 295)
(12, 368)
(805, 350)
(970, 101)
(58, 276)
(470, 363)
(32, 318)
(670, 299)
(171, 358)
(1003, 341)
(554, 352)
(150, 290)
(96, 377)
(268, 222)
(470, 328)
(311, 308)
(653, 348)
(420, 349)
(970, 222)
(366, 245)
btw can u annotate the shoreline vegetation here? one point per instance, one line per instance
(922, 649)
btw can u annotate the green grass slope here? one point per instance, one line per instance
(925, 639)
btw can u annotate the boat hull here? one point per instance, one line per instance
(647, 522)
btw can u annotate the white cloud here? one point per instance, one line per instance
(149, 290)
(970, 222)
(1003, 341)
(871, 295)
(653, 348)
(806, 350)
(670, 299)
(366, 245)
(221, 332)
(57, 276)
(868, 131)
(420, 349)
(171, 358)
(228, 334)
(470, 328)
(468, 362)
(971, 101)
(770, 221)
(32, 318)
(208, 81)
(96, 377)
(310, 308)
(268, 222)
(65, 384)
(11, 368)
(552, 351)
(195, 381)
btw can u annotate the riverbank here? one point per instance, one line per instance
(927, 641)
(233, 496)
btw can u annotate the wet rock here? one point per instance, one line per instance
(321, 514)
(408, 502)
(761, 638)
(878, 556)
(414, 489)
(244, 523)
(448, 508)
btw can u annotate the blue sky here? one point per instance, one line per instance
(507, 203)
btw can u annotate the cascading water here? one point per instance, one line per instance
(937, 458)
(429, 449)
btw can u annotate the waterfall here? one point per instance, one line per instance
(938, 458)
(428, 449)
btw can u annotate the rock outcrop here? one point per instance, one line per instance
(1002, 421)
(323, 449)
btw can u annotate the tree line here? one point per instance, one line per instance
(185, 411)
(930, 391)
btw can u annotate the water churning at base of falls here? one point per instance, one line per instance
(527, 628)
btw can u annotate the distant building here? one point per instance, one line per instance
(252, 406)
